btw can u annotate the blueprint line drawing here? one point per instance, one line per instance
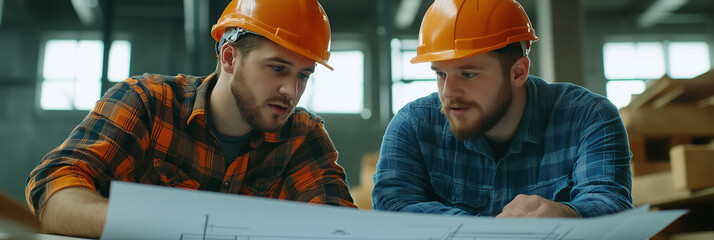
(146, 212)
(212, 231)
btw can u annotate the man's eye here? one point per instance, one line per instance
(303, 77)
(468, 74)
(440, 74)
(279, 68)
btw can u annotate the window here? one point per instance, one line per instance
(409, 81)
(628, 65)
(72, 70)
(338, 91)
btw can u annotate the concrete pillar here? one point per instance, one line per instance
(108, 39)
(560, 48)
(197, 33)
(385, 23)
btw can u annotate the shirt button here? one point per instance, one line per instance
(260, 184)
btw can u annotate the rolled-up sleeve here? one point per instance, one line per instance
(401, 181)
(601, 174)
(314, 176)
(105, 144)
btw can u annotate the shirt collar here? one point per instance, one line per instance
(202, 94)
(532, 125)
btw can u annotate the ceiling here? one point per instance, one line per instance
(342, 13)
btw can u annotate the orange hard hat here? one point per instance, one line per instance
(300, 26)
(453, 29)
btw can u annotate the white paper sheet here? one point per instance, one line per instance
(138, 211)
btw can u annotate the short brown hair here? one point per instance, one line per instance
(507, 56)
(245, 44)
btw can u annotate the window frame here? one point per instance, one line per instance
(398, 47)
(67, 35)
(352, 45)
(661, 38)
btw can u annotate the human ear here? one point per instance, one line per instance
(519, 71)
(229, 55)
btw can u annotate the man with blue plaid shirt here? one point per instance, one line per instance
(495, 141)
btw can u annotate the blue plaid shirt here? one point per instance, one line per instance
(570, 147)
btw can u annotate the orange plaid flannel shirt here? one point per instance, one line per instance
(152, 129)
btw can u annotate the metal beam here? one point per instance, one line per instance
(560, 43)
(108, 39)
(189, 29)
(659, 11)
(546, 55)
(2, 3)
(406, 13)
(85, 10)
(384, 38)
(196, 30)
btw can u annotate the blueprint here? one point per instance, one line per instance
(139, 211)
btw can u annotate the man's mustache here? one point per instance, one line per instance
(456, 103)
(282, 99)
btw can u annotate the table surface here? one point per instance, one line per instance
(39, 236)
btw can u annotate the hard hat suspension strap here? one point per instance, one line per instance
(231, 35)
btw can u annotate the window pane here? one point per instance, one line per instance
(620, 92)
(338, 91)
(650, 60)
(60, 59)
(56, 94)
(403, 93)
(72, 72)
(119, 59)
(628, 60)
(688, 59)
(86, 93)
(415, 71)
(403, 50)
(89, 60)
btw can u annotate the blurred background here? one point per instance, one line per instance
(54, 66)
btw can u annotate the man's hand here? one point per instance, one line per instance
(536, 206)
(75, 211)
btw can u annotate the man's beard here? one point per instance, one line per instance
(487, 119)
(250, 110)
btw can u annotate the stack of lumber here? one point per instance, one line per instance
(670, 127)
(671, 131)
(668, 113)
(362, 194)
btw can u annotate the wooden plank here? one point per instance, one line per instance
(668, 97)
(697, 88)
(657, 190)
(16, 219)
(362, 194)
(672, 119)
(691, 166)
(641, 163)
(707, 102)
(653, 90)
(705, 235)
(665, 90)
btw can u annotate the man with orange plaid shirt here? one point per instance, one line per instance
(235, 131)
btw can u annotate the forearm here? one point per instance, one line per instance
(600, 204)
(431, 207)
(408, 195)
(75, 211)
(602, 176)
(320, 181)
